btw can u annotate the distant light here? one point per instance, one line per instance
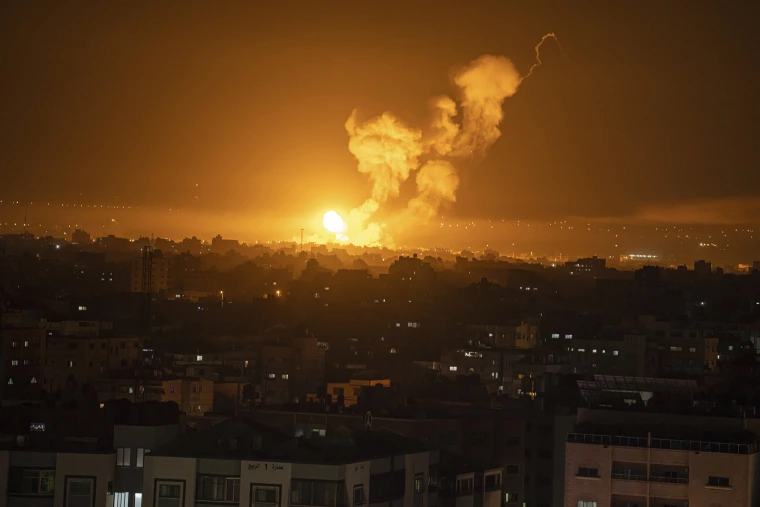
(57, 247)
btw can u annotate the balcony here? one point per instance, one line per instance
(668, 487)
(618, 441)
(629, 484)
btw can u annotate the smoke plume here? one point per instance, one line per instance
(388, 151)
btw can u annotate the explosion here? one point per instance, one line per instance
(333, 222)
(388, 151)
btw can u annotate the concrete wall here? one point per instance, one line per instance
(164, 469)
(588, 488)
(98, 466)
(734, 466)
(357, 474)
(415, 464)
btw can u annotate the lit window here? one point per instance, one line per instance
(26, 343)
(511, 497)
(568, 337)
(692, 349)
(730, 347)
(140, 457)
(285, 376)
(123, 456)
(586, 503)
(593, 351)
(393, 350)
(138, 499)
(615, 352)
(14, 362)
(26, 362)
(398, 324)
(198, 358)
(272, 375)
(555, 335)
(452, 368)
(675, 349)
(495, 374)
(121, 500)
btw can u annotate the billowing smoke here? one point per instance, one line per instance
(485, 83)
(437, 184)
(388, 150)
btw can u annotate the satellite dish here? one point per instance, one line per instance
(368, 421)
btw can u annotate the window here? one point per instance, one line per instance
(138, 499)
(581, 350)
(285, 376)
(586, 503)
(80, 492)
(512, 469)
(140, 458)
(123, 457)
(169, 494)
(359, 494)
(615, 353)
(675, 348)
(316, 493)
(568, 337)
(14, 362)
(511, 497)
(730, 347)
(555, 335)
(419, 483)
(262, 496)
(492, 482)
(121, 500)
(692, 349)
(26, 362)
(219, 489)
(26, 343)
(31, 482)
(588, 472)
(272, 375)
(718, 481)
(452, 368)
(464, 485)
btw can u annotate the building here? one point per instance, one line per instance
(221, 246)
(193, 396)
(623, 458)
(589, 266)
(350, 391)
(161, 273)
(84, 359)
(702, 268)
(80, 237)
(23, 354)
(79, 328)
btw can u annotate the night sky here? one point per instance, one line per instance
(653, 115)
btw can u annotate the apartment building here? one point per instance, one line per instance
(193, 396)
(624, 459)
(234, 463)
(84, 359)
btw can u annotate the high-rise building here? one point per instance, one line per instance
(160, 274)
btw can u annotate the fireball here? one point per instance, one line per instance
(333, 222)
